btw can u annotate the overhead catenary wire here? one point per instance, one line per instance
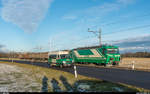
(128, 29)
(108, 42)
(123, 30)
(122, 20)
(125, 20)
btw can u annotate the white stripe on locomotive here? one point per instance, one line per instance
(94, 51)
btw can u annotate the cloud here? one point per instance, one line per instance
(71, 17)
(61, 41)
(125, 1)
(26, 14)
(84, 19)
(141, 43)
(98, 11)
(95, 15)
(3, 48)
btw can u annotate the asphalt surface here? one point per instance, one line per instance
(136, 78)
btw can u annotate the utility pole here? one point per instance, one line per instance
(49, 43)
(100, 39)
(12, 56)
(144, 49)
(40, 48)
(98, 34)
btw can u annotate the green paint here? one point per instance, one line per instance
(85, 52)
(107, 55)
(58, 60)
(103, 55)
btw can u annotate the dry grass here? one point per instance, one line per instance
(66, 80)
(140, 63)
(10, 59)
(23, 59)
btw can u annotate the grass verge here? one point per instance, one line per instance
(56, 81)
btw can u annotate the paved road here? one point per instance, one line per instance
(136, 78)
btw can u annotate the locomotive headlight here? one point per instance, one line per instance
(64, 61)
(117, 55)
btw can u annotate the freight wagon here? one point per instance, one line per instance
(34, 56)
(104, 55)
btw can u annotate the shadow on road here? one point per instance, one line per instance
(44, 84)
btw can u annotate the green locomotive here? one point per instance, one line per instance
(104, 55)
(60, 58)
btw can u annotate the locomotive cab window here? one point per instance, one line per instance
(104, 51)
(112, 51)
(53, 56)
(63, 56)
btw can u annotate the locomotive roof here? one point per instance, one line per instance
(58, 52)
(94, 47)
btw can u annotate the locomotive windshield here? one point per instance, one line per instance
(53, 56)
(112, 51)
(63, 56)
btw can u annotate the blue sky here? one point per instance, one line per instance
(63, 24)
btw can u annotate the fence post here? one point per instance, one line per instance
(133, 65)
(12, 60)
(75, 71)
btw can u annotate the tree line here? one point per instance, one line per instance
(24, 55)
(137, 54)
(45, 55)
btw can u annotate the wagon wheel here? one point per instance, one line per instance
(116, 64)
(105, 65)
(49, 65)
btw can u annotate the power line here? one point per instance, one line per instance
(122, 20)
(129, 29)
(97, 33)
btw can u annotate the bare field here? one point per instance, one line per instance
(23, 59)
(142, 64)
(139, 63)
